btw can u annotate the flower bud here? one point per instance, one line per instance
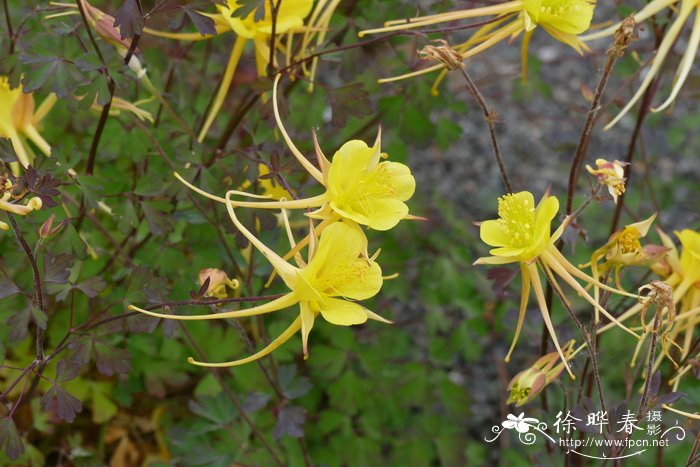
(526, 385)
(218, 281)
(47, 229)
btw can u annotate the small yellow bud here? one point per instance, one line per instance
(218, 281)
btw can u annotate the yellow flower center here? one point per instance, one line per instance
(628, 241)
(517, 216)
(518, 394)
(568, 16)
(372, 184)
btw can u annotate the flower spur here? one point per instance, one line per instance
(522, 235)
(686, 8)
(562, 19)
(289, 21)
(335, 268)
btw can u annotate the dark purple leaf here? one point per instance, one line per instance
(159, 222)
(7, 151)
(291, 383)
(142, 323)
(129, 19)
(56, 269)
(204, 24)
(7, 287)
(10, 441)
(170, 327)
(202, 290)
(246, 7)
(290, 421)
(255, 401)
(500, 278)
(92, 286)
(655, 384)
(78, 357)
(667, 399)
(19, 324)
(63, 403)
(110, 360)
(352, 99)
(42, 186)
(66, 372)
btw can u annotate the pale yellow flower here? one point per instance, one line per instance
(19, 120)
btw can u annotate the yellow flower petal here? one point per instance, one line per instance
(337, 269)
(494, 233)
(567, 16)
(342, 312)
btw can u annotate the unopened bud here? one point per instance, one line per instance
(218, 281)
(47, 229)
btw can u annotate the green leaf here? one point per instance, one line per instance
(58, 74)
(40, 317)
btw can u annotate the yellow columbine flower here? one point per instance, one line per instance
(623, 248)
(358, 186)
(686, 63)
(18, 119)
(335, 269)
(290, 19)
(522, 235)
(562, 19)
(610, 174)
(33, 204)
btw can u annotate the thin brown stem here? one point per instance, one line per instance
(38, 296)
(490, 118)
(582, 146)
(10, 32)
(589, 346)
